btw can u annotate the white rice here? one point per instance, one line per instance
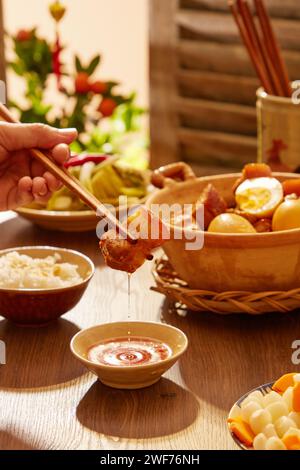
(19, 271)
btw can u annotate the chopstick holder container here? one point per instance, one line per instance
(278, 122)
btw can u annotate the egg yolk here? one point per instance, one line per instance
(259, 196)
(252, 198)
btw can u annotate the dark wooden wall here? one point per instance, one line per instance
(202, 84)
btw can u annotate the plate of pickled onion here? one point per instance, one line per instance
(268, 417)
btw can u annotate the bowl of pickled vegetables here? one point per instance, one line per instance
(110, 178)
(268, 417)
(251, 228)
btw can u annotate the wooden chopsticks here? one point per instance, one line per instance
(273, 46)
(71, 182)
(251, 49)
(263, 47)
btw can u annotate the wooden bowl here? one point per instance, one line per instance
(35, 307)
(129, 377)
(230, 262)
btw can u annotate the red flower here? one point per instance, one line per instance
(24, 35)
(107, 107)
(99, 87)
(56, 62)
(82, 84)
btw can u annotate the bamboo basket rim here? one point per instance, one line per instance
(232, 302)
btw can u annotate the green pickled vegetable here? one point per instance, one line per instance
(60, 203)
(107, 181)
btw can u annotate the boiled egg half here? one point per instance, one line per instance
(259, 196)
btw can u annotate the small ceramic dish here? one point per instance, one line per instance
(235, 410)
(129, 377)
(34, 307)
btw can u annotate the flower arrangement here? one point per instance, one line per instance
(106, 120)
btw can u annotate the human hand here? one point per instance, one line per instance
(22, 178)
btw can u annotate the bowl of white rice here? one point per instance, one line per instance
(39, 284)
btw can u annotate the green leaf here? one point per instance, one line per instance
(18, 68)
(132, 97)
(41, 109)
(93, 65)
(78, 65)
(76, 147)
(30, 116)
(55, 123)
(119, 99)
(13, 104)
(110, 86)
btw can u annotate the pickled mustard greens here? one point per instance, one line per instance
(107, 181)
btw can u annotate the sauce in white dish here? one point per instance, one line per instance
(129, 352)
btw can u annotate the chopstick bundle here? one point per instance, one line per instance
(253, 52)
(262, 46)
(273, 46)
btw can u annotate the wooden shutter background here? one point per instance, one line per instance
(202, 84)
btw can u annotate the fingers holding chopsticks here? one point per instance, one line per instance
(16, 136)
(60, 153)
(43, 182)
(32, 189)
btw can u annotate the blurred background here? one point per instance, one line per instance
(116, 28)
(182, 60)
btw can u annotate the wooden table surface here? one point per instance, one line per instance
(49, 401)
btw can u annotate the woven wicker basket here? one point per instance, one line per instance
(252, 303)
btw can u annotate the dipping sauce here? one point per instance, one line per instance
(134, 352)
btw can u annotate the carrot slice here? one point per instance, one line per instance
(284, 382)
(296, 397)
(291, 187)
(241, 430)
(292, 442)
(253, 170)
(256, 170)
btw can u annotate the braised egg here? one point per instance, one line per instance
(230, 223)
(259, 196)
(287, 215)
